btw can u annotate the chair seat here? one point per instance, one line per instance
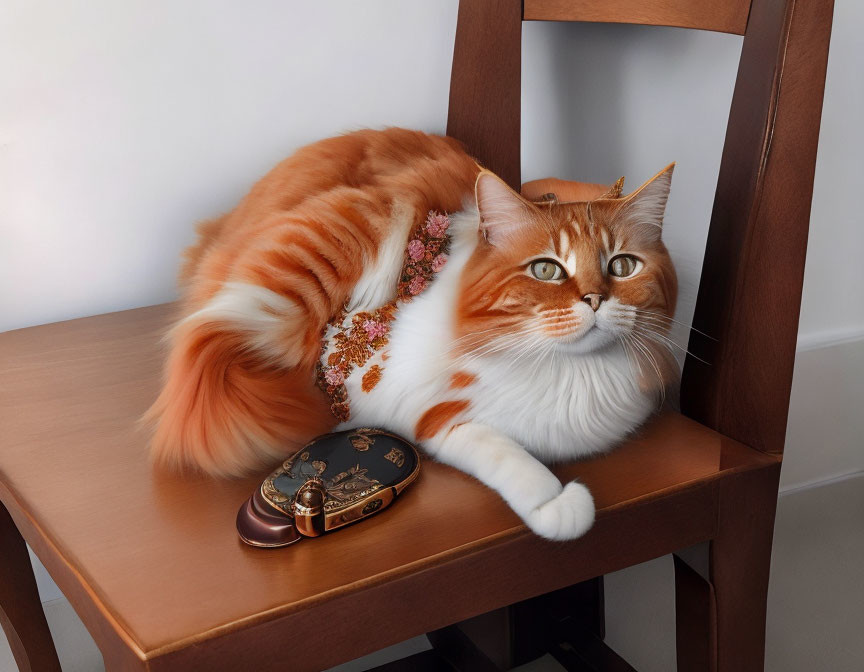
(153, 560)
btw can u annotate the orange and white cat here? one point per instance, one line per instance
(502, 335)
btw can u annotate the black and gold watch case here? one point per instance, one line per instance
(335, 480)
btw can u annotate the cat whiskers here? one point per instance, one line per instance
(634, 340)
(640, 347)
(492, 347)
(503, 328)
(447, 353)
(645, 330)
(664, 320)
(649, 324)
(521, 343)
(539, 350)
(539, 347)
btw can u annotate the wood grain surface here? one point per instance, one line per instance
(152, 561)
(485, 85)
(760, 219)
(725, 16)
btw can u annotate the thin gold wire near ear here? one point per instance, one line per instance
(547, 199)
(613, 193)
(616, 189)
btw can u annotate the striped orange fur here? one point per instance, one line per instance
(305, 232)
(490, 356)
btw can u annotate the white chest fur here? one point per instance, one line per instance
(560, 407)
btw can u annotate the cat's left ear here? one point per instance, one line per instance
(643, 210)
(502, 210)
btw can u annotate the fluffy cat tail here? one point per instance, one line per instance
(225, 409)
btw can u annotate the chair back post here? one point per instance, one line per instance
(750, 292)
(761, 208)
(485, 85)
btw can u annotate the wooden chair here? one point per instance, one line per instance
(152, 563)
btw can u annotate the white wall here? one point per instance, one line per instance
(122, 124)
(833, 305)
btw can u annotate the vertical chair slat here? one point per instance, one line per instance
(485, 86)
(750, 292)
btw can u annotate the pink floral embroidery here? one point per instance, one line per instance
(366, 333)
(375, 329)
(437, 224)
(425, 255)
(417, 284)
(416, 250)
(334, 376)
(438, 262)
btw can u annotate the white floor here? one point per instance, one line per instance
(815, 613)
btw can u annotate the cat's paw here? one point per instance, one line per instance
(567, 516)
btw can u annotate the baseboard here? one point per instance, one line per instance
(823, 434)
(819, 483)
(829, 338)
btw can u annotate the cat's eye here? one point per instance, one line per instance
(623, 266)
(546, 270)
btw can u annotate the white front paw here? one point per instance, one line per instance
(566, 516)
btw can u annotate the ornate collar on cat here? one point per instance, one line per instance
(353, 340)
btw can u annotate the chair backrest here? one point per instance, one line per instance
(724, 16)
(765, 185)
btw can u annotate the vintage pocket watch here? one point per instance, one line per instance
(335, 480)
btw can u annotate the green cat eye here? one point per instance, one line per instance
(546, 270)
(623, 265)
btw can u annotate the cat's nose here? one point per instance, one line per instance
(593, 300)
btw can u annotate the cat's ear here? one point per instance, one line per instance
(642, 211)
(502, 210)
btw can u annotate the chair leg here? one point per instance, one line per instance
(722, 586)
(568, 623)
(20, 608)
